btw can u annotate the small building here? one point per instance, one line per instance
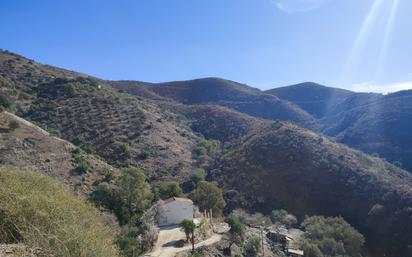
(173, 210)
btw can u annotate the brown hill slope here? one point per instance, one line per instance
(316, 99)
(226, 93)
(283, 166)
(31, 148)
(122, 128)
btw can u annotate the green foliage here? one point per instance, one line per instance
(127, 197)
(125, 148)
(253, 247)
(83, 165)
(43, 214)
(188, 227)
(143, 155)
(5, 102)
(207, 147)
(236, 226)
(197, 176)
(332, 236)
(13, 125)
(283, 217)
(129, 246)
(169, 189)
(71, 89)
(208, 196)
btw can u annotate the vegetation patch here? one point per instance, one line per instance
(42, 213)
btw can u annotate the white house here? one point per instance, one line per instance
(173, 210)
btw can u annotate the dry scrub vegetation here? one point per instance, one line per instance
(41, 213)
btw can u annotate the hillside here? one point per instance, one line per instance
(121, 128)
(283, 166)
(374, 123)
(226, 93)
(263, 164)
(315, 99)
(31, 148)
(381, 125)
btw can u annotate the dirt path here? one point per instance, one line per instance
(168, 237)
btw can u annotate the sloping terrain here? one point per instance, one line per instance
(226, 93)
(283, 166)
(121, 128)
(33, 149)
(374, 123)
(316, 99)
(381, 125)
(264, 165)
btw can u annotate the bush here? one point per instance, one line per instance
(236, 226)
(13, 125)
(41, 213)
(252, 247)
(5, 102)
(333, 236)
(169, 189)
(283, 217)
(125, 148)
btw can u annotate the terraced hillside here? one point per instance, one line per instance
(121, 128)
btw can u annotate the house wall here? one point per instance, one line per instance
(174, 212)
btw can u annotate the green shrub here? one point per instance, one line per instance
(333, 236)
(5, 102)
(125, 148)
(13, 125)
(236, 226)
(42, 213)
(253, 247)
(169, 189)
(143, 155)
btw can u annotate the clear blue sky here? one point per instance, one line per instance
(365, 45)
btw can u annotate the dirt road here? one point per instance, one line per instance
(169, 236)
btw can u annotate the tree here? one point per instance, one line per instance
(333, 236)
(197, 176)
(208, 196)
(13, 125)
(189, 227)
(134, 190)
(169, 189)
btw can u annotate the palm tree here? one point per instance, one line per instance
(188, 226)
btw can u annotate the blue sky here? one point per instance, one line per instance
(363, 45)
